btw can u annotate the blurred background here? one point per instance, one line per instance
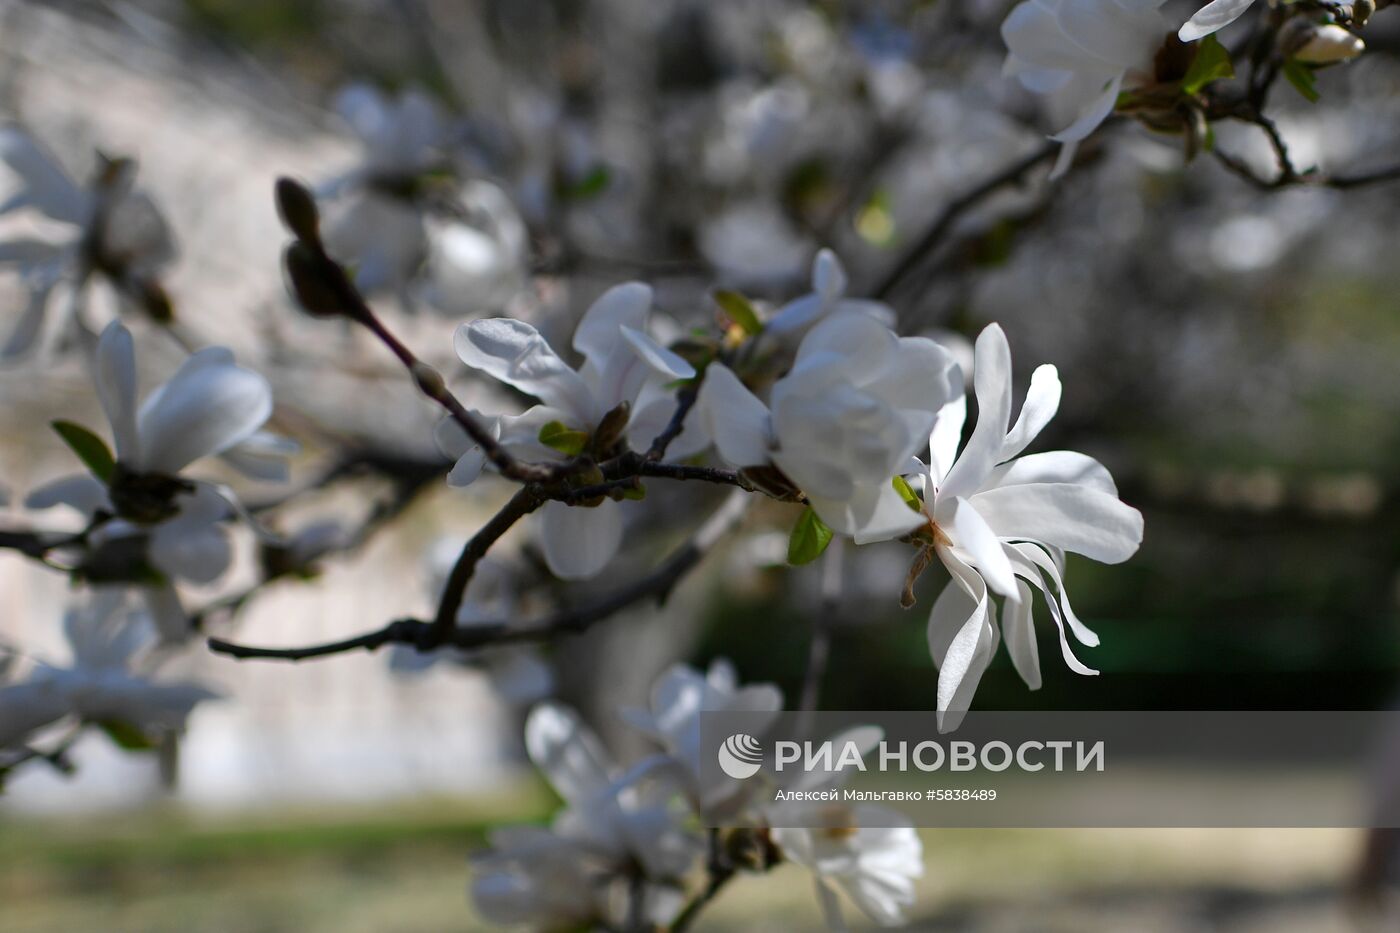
(1229, 353)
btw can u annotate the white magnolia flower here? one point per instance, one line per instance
(1080, 54)
(1213, 17)
(792, 321)
(477, 261)
(209, 406)
(622, 364)
(678, 698)
(612, 825)
(1328, 44)
(856, 405)
(382, 239)
(867, 851)
(1001, 523)
(111, 227)
(401, 137)
(107, 680)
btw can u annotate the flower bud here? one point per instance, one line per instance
(1328, 44)
(611, 429)
(297, 208)
(310, 278)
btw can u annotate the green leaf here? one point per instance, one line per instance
(906, 492)
(590, 185)
(90, 448)
(636, 493)
(126, 736)
(1302, 78)
(738, 309)
(563, 438)
(1212, 63)
(810, 536)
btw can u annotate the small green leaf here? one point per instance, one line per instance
(1302, 78)
(1212, 63)
(875, 220)
(906, 492)
(90, 448)
(590, 185)
(563, 438)
(126, 736)
(809, 539)
(637, 492)
(738, 309)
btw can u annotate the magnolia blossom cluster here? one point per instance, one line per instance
(625, 830)
(1082, 55)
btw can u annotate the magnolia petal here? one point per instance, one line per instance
(263, 456)
(992, 380)
(1076, 518)
(1047, 564)
(734, 418)
(1042, 401)
(828, 277)
(79, 491)
(1055, 466)
(568, 753)
(31, 321)
(871, 513)
(1213, 17)
(579, 542)
(947, 429)
(515, 353)
(208, 406)
(116, 390)
(28, 706)
(962, 638)
(1092, 114)
(1028, 570)
(625, 305)
(971, 533)
(47, 185)
(1018, 628)
(660, 359)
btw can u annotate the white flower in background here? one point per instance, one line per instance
(400, 137)
(519, 674)
(208, 407)
(678, 698)
(856, 405)
(1329, 44)
(791, 322)
(381, 239)
(476, 257)
(1080, 54)
(1000, 521)
(868, 852)
(1213, 17)
(108, 679)
(611, 825)
(622, 364)
(753, 245)
(111, 227)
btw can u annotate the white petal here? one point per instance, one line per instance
(579, 542)
(263, 456)
(971, 533)
(1018, 628)
(1042, 401)
(734, 418)
(80, 491)
(1213, 17)
(947, 429)
(116, 390)
(1054, 466)
(515, 353)
(1092, 114)
(660, 359)
(961, 638)
(1075, 518)
(568, 753)
(828, 278)
(31, 321)
(624, 305)
(25, 707)
(208, 406)
(991, 375)
(1035, 555)
(194, 545)
(47, 185)
(872, 513)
